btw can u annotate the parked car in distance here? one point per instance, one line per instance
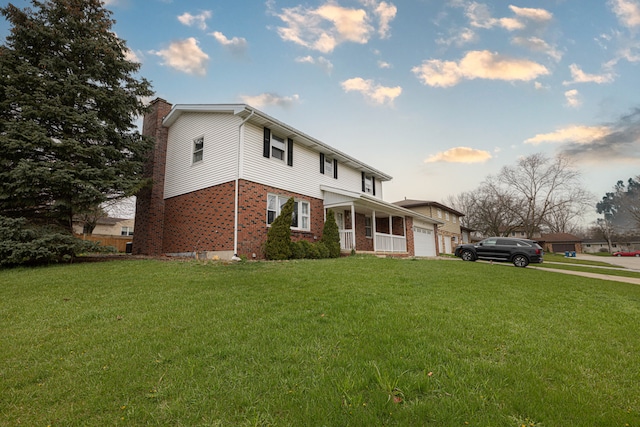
(626, 253)
(520, 252)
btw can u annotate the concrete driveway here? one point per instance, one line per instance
(623, 261)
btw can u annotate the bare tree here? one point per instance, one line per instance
(542, 187)
(605, 229)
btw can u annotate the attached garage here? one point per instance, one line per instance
(424, 240)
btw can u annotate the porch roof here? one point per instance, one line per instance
(340, 197)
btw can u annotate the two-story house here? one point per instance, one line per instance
(221, 173)
(450, 233)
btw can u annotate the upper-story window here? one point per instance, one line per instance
(198, 149)
(454, 218)
(277, 147)
(446, 216)
(126, 231)
(439, 211)
(301, 218)
(368, 184)
(328, 166)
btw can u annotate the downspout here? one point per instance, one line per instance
(236, 195)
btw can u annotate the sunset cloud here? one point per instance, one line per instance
(477, 65)
(184, 55)
(571, 134)
(460, 155)
(235, 45)
(373, 92)
(627, 11)
(573, 98)
(480, 16)
(320, 61)
(329, 25)
(580, 76)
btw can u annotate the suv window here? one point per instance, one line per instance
(489, 242)
(507, 242)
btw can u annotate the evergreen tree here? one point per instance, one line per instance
(331, 235)
(278, 244)
(69, 97)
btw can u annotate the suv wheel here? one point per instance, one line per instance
(520, 261)
(467, 256)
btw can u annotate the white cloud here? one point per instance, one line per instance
(131, 56)
(384, 64)
(536, 44)
(580, 76)
(184, 55)
(460, 155)
(270, 99)
(480, 16)
(573, 98)
(320, 61)
(571, 134)
(477, 65)
(329, 25)
(627, 11)
(236, 45)
(373, 92)
(539, 15)
(459, 37)
(195, 20)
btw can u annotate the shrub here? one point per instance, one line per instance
(301, 249)
(22, 243)
(278, 244)
(331, 236)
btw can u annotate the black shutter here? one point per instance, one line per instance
(373, 184)
(363, 184)
(266, 150)
(335, 168)
(290, 151)
(321, 163)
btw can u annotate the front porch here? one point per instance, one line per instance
(369, 225)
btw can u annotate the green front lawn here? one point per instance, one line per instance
(347, 342)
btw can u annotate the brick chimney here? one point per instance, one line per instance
(149, 225)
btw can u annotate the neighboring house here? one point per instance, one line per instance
(466, 234)
(449, 232)
(107, 226)
(620, 244)
(222, 172)
(560, 242)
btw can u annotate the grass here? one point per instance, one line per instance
(349, 342)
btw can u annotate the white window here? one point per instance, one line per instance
(439, 213)
(126, 231)
(454, 218)
(301, 218)
(368, 229)
(368, 184)
(198, 149)
(446, 216)
(328, 166)
(278, 147)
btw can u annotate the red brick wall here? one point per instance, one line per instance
(363, 243)
(200, 221)
(410, 243)
(252, 231)
(150, 200)
(203, 220)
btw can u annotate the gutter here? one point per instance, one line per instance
(236, 195)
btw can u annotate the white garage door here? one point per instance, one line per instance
(424, 242)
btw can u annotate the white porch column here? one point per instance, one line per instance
(374, 231)
(391, 232)
(353, 226)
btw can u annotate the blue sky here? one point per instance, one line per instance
(436, 93)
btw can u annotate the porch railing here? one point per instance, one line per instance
(390, 243)
(346, 240)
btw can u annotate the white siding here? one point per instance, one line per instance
(219, 160)
(303, 177)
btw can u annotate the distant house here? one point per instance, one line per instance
(107, 226)
(622, 244)
(560, 242)
(450, 232)
(222, 172)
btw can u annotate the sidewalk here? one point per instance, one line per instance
(601, 276)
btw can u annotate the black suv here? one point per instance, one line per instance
(518, 251)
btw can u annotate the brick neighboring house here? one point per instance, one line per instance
(449, 232)
(222, 172)
(560, 242)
